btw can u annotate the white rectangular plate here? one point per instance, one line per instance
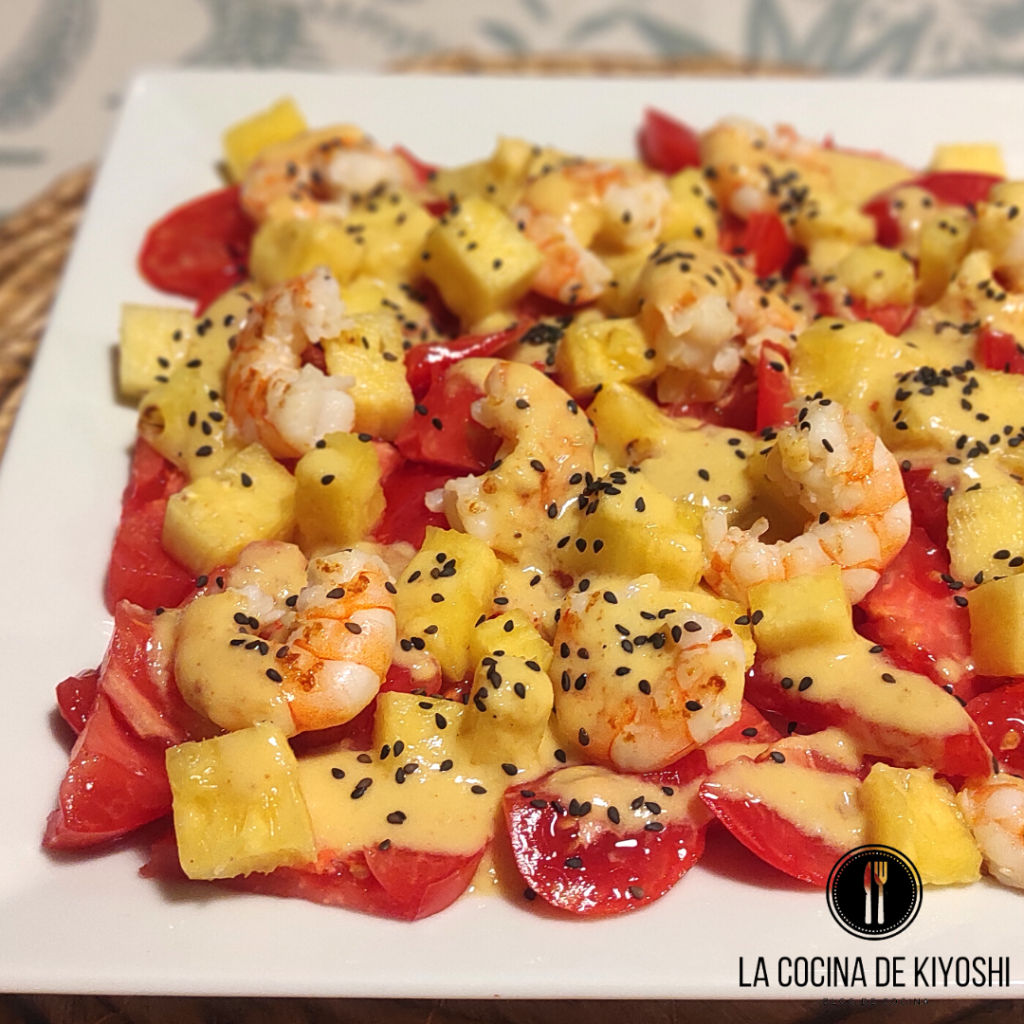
(90, 924)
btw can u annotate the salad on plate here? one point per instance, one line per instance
(508, 526)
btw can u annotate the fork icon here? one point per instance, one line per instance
(881, 871)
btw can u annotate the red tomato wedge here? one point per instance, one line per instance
(398, 882)
(894, 319)
(999, 715)
(442, 431)
(76, 696)
(959, 188)
(667, 145)
(425, 363)
(888, 232)
(774, 389)
(998, 350)
(115, 783)
(588, 866)
(406, 517)
(200, 249)
(928, 508)
(737, 408)
(764, 237)
(423, 171)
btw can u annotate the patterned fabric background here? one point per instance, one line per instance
(65, 63)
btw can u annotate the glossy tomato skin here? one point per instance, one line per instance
(774, 389)
(611, 878)
(398, 882)
(200, 249)
(406, 517)
(76, 696)
(892, 317)
(998, 350)
(999, 715)
(115, 783)
(425, 363)
(666, 144)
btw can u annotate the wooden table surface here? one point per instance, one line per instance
(33, 246)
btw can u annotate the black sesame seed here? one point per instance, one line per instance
(437, 598)
(961, 602)
(610, 597)
(396, 818)
(561, 756)
(446, 765)
(757, 617)
(644, 686)
(478, 789)
(778, 757)
(274, 676)
(786, 683)
(653, 826)
(584, 738)
(749, 731)
(888, 677)
(364, 759)
(693, 705)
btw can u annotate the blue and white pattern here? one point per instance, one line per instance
(63, 63)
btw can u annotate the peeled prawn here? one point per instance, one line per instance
(271, 397)
(995, 812)
(840, 473)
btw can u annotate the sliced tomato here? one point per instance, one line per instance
(200, 249)
(892, 317)
(998, 350)
(736, 409)
(960, 188)
(774, 389)
(151, 476)
(136, 678)
(999, 716)
(601, 870)
(763, 237)
(442, 431)
(928, 508)
(888, 232)
(913, 614)
(425, 363)
(423, 171)
(76, 696)
(398, 882)
(666, 144)
(767, 833)
(406, 516)
(115, 783)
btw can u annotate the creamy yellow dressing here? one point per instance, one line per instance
(818, 803)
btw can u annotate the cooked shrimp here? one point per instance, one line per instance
(319, 174)
(703, 313)
(847, 480)
(546, 440)
(641, 681)
(330, 648)
(995, 812)
(271, 397)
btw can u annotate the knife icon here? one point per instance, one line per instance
(867, 893)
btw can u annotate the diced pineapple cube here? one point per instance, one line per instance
(914, 812)
(185, 424)
(878, 276)
(154, 343)
(238, 807)
(479, 260)
(997, 225)
(604, 351)
(692, 212)
(857, 177)
(853, 363)
(997, 640)
(512, 633)
(985, 157)
(626, 419)
(508, 711)
(393, 229)
(986, 532)
(944, 243)
(621, 297)
(216, 331)
(413, 732)
(805, 611)
(443, 591)
(283, 249)
(244, 140)
(635, 529)
(338, 497)
(831, 219)
(250, 498)
(370, 349)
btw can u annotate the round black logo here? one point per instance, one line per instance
(874, 892)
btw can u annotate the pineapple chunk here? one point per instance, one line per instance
(877, 275)
(238, 807)
(443, 591)
(604, 351)
(154, 343)
(244, 141)
(507, 716)
(511, 633)
(625, 420)
(984, 524)
(620, 297)
(370, 349)
(185, 424)
(914, 812)
(251, 498)
(944, 243)
(997, 641)
(479, 260)
(338, 497)
(393, 229)
(858, 177)
(692, 212)
(985, 157)
(829, 219)
(400, 718)
(805, 611)
(635, 529)
(283, 249)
